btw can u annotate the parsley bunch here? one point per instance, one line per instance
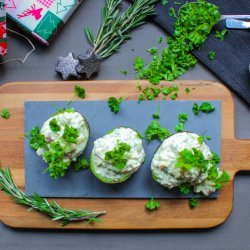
(192, 27)
(118, 156)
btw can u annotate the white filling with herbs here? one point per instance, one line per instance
(164, 168)
(72, 119)
(107, 143)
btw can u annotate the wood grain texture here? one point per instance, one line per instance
(121, 213)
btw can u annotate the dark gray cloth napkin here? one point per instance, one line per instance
(232, 59)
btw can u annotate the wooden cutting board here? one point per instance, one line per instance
(121, 213)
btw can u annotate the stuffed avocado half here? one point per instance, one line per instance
(65, 136)
(117, 155)
(184, 160)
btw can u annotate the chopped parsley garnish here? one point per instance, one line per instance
(37, 140)
(221, 35)
(193, 203)
(194, 158)
(211, 55)
(114, 104)
(179, 127)
(157, 114)
(62, 110)
(191, 29)
(138, 63)
(70, 134)
(152, 204)
(81, 164)
(118, 156)
(155, 131)
(5, 114)
(208, 137)
(54, 126)
(187, 90)
(205, 107)
(124, 72)
(182, 117)
(54, 156)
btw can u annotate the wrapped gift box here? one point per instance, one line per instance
(3, 36)
(41, 18)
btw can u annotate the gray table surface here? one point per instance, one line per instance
(233, 234)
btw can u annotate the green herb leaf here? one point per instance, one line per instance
(211, 55)
(206, 107)
(118, 157)
(54, 126)
(196, 109)
(37, 140)
(152, 204)
(114, 104)
(79, 91)
(182, 117)
(193, 203)
(187, 90)
(159, 40)
(155, 131)
(157, 114)
(70, 134)
(179, 127)
(201, 139)
(185, 188)
(138, 63)
(221, 35)
(164, 2)
(208, 137)
(5, 114)
(90, 35)
(81, 164)
(124, 72)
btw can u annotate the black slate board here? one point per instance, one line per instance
(101, 120)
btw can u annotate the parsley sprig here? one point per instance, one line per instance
(5, 114)
(152, 204)
(114, 104)
(54, 126)
(155, 131)
(182, 117)
(78, 92)
(205, 107)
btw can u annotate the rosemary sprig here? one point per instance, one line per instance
(115, 27)
(52, 209)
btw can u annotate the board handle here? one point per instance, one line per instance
(239, 156)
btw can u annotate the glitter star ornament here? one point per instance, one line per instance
(89, 64)
(66, 66)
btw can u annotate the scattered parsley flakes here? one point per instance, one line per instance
(155, 131)
(124, 72)
(187, 90)
(191, 29)
(117, 156)
(5, 114)
(179, 127)
(79, 91)
(138, 63)
(138, 85)
(81, 164)
(183, 117)
(205, 107)
(193, 203)
(70, 134)
(221, 35)
(54, 126)
(211, 55)
(114, 104)
(157, 114)
(152, 204)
